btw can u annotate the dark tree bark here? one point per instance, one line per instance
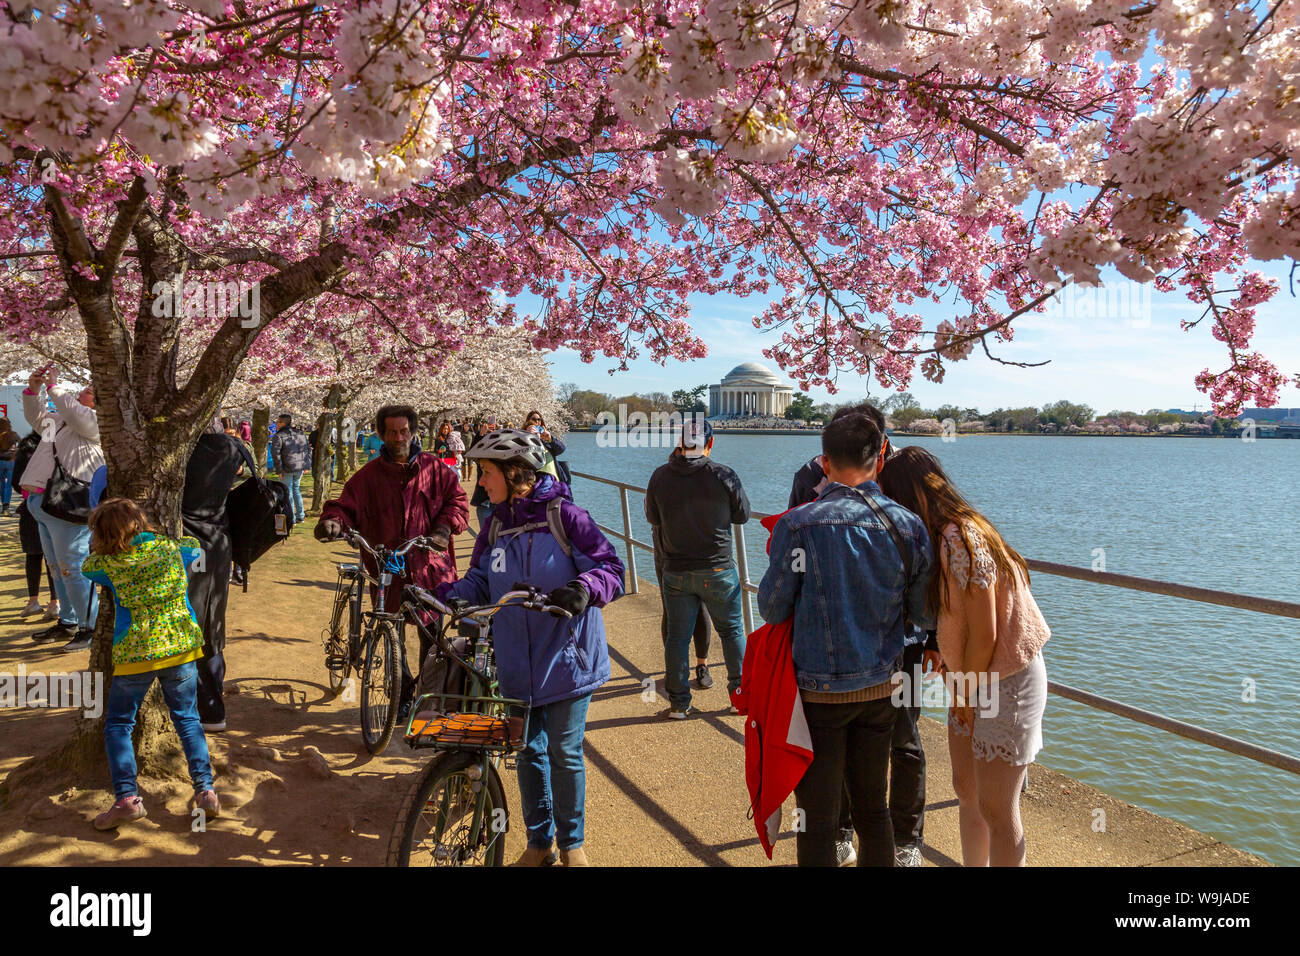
(345, 447)
(320, 474)
(261, 438)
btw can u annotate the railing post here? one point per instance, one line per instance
(627, 541)
(742, 565)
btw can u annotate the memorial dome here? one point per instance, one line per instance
(751, 372)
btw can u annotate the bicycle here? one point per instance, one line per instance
(455, 812)
(372, 644)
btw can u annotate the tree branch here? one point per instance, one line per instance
(128, 210)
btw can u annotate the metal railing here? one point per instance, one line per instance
(1184, 592)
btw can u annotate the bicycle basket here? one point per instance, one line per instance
(445, 722)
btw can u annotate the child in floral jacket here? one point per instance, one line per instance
(155, 636)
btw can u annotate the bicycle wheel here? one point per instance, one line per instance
(380, 683)
(338, 663)
(434, 825)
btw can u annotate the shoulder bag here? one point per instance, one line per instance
(66, 497)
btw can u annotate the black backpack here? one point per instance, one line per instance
(260, 515)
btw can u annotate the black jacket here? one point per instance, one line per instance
(694, 502)
(809, 482)
(23, 452)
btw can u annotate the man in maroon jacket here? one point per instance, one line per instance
(403, 493)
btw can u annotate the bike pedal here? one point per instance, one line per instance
(510, 763)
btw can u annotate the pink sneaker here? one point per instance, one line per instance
(123, 811)
(209, 803)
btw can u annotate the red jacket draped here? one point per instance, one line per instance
(778, 747)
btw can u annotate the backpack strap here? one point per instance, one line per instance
(552, 523)
(557, 526)
(903, 551)
(248, 460)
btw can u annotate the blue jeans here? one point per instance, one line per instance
(484, 515)
(180, 690)
(66, 546)
(6, 482)
(293, 479)
(553, 775)
(718, 591)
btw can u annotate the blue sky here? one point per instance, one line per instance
(1106, 362)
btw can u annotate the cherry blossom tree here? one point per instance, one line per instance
(253, 176)
(378, 165)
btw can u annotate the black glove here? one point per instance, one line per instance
(573, 597)
(328, 530)
(440, 538)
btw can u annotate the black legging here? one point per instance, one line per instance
(34, 562)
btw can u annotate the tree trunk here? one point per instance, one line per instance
(261, 438)
(346, 441)
(148, 421)
(148, 427)
(320, 477)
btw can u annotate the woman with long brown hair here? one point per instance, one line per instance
(991, 635)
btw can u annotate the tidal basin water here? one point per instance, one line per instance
(1215, 513)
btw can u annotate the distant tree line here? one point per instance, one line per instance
(905, 413)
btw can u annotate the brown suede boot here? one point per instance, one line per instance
(533, 856)
(574, 857)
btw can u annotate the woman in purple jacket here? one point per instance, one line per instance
(554, 664)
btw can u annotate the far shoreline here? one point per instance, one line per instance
(789, 432)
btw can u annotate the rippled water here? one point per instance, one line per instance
(1217, 513)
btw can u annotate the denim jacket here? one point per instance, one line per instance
(834, 568)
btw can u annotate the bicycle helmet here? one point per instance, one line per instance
(511, 446)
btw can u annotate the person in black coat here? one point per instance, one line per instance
(29, 536)
(208, 476)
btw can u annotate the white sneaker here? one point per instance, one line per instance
(845, 855)
(51, 611)
(33, 607)
(909, 854)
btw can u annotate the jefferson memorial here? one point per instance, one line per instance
(749, 389)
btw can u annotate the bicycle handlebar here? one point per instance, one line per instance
(354, 537)
(533, 598)
(532, 601)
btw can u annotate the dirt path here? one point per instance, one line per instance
(299, 788)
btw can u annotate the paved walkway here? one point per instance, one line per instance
(299, 788)
(672, 793)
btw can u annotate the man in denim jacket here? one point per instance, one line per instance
(836, 569)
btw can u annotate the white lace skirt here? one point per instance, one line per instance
(1015, 734)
